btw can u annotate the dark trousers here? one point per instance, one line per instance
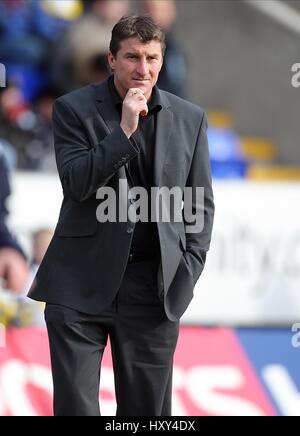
(143, 342)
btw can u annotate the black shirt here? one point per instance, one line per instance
(141, 168)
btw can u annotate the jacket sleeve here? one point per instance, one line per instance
(83, 169)
(198, 242)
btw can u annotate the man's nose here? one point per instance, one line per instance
(143, 68)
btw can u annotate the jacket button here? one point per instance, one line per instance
(130, 230)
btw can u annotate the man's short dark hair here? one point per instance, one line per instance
(142, 27)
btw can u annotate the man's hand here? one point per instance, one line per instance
(134, 105)
(13, 269)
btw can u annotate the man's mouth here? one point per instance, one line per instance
(141, 80)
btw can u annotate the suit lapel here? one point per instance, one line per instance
(162, 140)
(105, 106)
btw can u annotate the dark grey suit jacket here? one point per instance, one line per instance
(86, 260)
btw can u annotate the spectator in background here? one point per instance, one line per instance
(38, 153)
(41, 239)
(27, 28)
(29, 312)
(79, 57)
(25, 25)
(13, 266)
(18, 41)
(16, 309)
(51, 17)
(109, 11)
(75, 53)
(173, 74)
(12, 111)
(27, 128)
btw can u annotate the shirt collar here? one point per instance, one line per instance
(154, 105)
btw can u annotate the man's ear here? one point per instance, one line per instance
(162, 62)
(111, 60)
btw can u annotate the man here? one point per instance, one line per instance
(13, 267)
(129, 282)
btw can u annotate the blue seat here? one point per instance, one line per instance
(227, 160)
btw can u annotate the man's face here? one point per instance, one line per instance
(136, 65)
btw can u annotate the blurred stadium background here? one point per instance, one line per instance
(239, 348)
